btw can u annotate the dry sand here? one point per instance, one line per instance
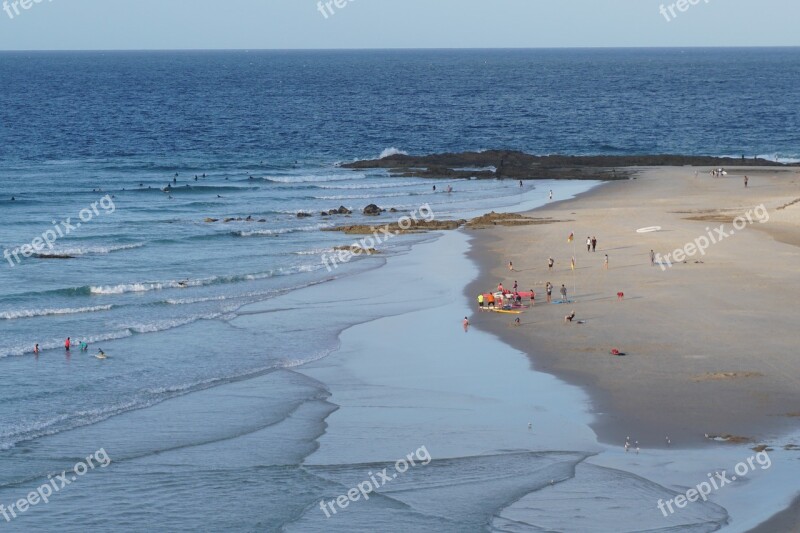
(712, 347)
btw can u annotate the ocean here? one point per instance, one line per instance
(129, 164)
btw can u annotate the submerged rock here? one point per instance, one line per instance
(372, 210)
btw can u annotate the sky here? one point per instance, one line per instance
(308, 24)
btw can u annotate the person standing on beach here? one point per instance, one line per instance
(563, 293)
(511, 266)
(480, 301)
(594, 244)
(588, 244)
(605, 262)
(652, 258)
(549, 290)
(515, 285)
(746, 179)
(550, 264)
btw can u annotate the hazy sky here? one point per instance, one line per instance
(251, 24)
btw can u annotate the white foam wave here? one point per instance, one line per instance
(391, 151)
(147, 286)
(281, 231)
(31, 313)
(364, 196)
(88, 250)
(381, 185)
(310, 178)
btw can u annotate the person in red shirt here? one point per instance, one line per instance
(67, 343)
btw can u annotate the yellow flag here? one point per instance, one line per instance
(573, 263)
(571, 236)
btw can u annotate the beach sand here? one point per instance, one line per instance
(711, 346)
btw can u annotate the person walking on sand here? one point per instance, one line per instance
(511, 266)
(746, 179)
(550, 264)
(605, 262)
(652, 258)
(588, 244)
(515, 285)
(563, 291)
(594, 244)
(549, 290)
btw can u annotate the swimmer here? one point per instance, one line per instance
(36, 349)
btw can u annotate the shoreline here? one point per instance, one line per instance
(616, 413)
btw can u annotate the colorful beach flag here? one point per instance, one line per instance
(571, 236)
(573, 263)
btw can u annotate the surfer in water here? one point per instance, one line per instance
(183, 284)
(36, 349)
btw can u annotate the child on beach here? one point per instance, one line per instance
(550, 264)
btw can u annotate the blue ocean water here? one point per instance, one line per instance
(160, 142)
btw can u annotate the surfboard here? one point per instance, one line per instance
(101, 356)
(648, 229)
(510, 312)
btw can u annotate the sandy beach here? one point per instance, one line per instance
(710, 342)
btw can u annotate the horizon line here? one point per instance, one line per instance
(369, 49)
